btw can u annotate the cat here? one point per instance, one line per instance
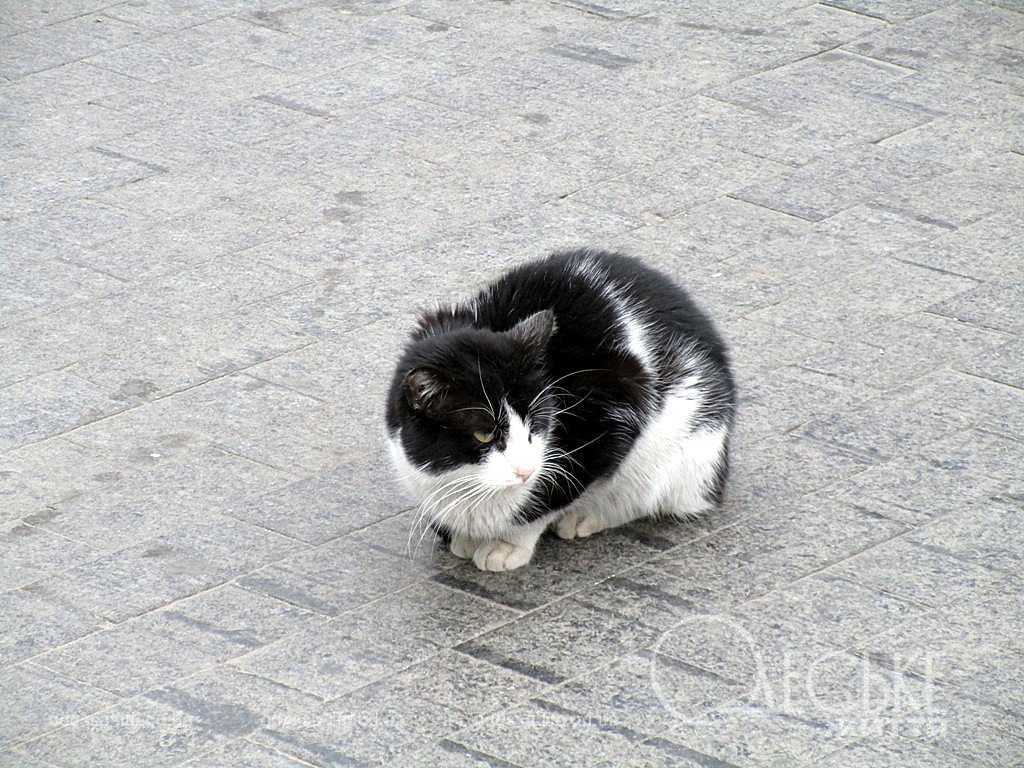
(580, 392)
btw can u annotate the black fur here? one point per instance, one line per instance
(544, 322)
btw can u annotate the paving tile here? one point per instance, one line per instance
(927, 412)
(68, 228)
(977, 452)
(38, 701)
(199, 236)
(905, 349)
(788, 466)
(759, 348)
(42, 13)
(550, 737)
(27, 554)
(982, 535)
(702, 121)
(776, 638)
(135, 733)
(374, 641)
(66, 41)
(908, 753)
(175, 642)
(337, 576)
(180, 14)
(12, 759)
(323, 507)
(983, 250)
(167, 567)
(233, 704)
(989, 305)
(671, 186)
(242, 752)
(825, 188)
(646, 691)
(49, 405)
(913, 491)
(34, 287)
(73, 127)
(267, 424)
(828, 24)
(983, 187)
(362, 731)
(885, 291)
(448, 752)
(123, 661)
(647, 595)
(787, 539)
(39, 184)
(559, 641)
(162, 56)
(995, 600)
(776, 402)
(46, 473)
(952, 654)
(890, 10)
(1004, 364)
(161, 482)
(198, 352)
(914, 572)
(827, 110)
(952, 38)
(975, 732)
(35, 622)
(228, 621)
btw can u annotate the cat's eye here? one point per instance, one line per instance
(483, 437)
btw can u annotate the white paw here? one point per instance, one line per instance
(461, 546)
(588, 526)
(572, 526)
(566, 526)
(501, 556)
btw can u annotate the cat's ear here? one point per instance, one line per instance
(425, 388)
(536, 330)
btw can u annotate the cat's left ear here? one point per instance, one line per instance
(425, 390)
(536, 330)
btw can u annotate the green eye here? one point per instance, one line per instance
(483, 437)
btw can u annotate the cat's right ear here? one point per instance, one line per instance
(425, 388)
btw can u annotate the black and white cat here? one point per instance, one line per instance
(581, 391)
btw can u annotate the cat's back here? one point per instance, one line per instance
(597, 294)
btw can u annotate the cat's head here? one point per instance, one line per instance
(470, 414)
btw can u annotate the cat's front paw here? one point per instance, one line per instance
(461, 546)
(501, 556)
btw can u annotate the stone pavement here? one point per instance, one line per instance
(217, 219)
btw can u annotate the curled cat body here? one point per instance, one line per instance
(578, 392)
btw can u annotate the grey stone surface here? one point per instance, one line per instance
(375, 640)
(34, 621)
(38, 700)
(217, 219)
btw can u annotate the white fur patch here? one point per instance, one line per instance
(667, 470)
(631, 326)
(477, 501)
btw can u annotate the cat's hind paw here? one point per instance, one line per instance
(501, 556)
(573, 526)
(565, 528)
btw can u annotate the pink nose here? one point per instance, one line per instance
(523, 473)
